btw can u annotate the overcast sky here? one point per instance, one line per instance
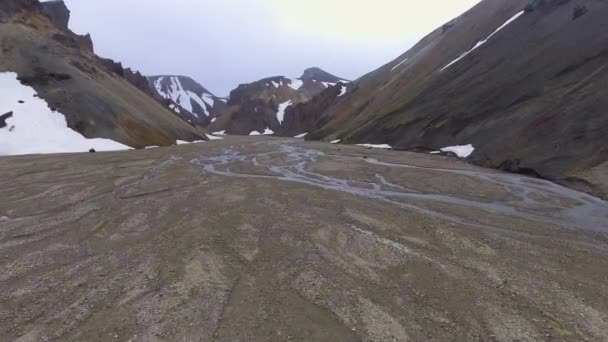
(223, 43)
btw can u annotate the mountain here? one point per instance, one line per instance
(260, 107)
(98, 97)
(521, 81)
(188, 98)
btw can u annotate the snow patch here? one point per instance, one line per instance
(296, 84)
(220, 133)
(329, 84)
(343, 90)
(382, 146)
(213, 120)
(178, 94)
(480, 43)
(34, 128)
(462, 151)
(335, 141)
(208, 99)
(301, 135)
(267, 131)
(182, 142)
(213, 137)
(398, 65)
(281, 113)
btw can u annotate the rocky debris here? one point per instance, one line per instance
(42, 77)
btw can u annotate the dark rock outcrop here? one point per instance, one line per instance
(3, 119)
(58, 12)
(311, 115)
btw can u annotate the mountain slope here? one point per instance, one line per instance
(261, 106)
(486, 79)
(188, 98)
(99, 98)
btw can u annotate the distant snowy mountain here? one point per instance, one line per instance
(261, 107)
(29, 126)
(188, 98)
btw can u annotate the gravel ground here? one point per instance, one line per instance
(264, 239)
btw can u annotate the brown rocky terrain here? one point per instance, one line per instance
(261, 106)
(268, 239)
(308, 116)
(530, 99)
(99, 97)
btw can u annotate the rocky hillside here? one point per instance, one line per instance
(260, 107)
(188, 98)
(99, 98)
(522, 81)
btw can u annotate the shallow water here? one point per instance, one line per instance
(585, 211)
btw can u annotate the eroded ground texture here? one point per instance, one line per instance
(261, 239)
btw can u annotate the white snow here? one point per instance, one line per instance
(267, 131)
(296, 84)
(281, 113)
(301, 135)
(213, 137)
(34, 128)
(329, 84)
(343, 90)
(480, 43)
(398, 65)
(213, 120)
(335, 141)
(462, 151)
(184, 97)
(276, 84)
(219, 133)
(382, 146)
(208, 98)
(182, 142)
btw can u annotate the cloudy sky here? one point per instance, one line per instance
(223, 43)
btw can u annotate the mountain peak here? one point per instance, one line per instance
(58, 12)
(318, 74)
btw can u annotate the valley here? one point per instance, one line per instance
(258, 238)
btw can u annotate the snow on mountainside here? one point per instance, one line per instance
(28, 125)
(261, 106)
(188, 98)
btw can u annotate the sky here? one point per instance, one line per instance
(224, 43)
